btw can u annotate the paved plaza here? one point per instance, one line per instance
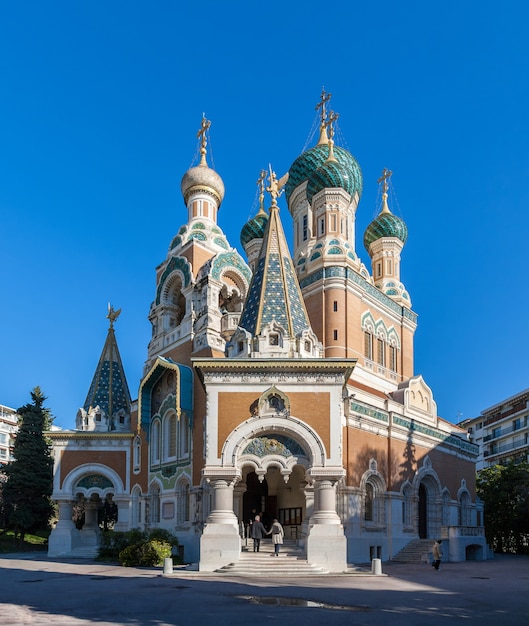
(37, 590)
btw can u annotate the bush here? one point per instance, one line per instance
(147, 554)
(136, 547)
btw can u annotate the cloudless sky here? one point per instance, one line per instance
(100, 103)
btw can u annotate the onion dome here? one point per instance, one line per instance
(254, 228)
(308, 162)
(330, 174)
(202, 178)
(385, 225)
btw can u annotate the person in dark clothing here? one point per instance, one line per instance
(258, 532)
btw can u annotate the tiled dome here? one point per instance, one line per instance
(254, 228)
(315, 157)
(330, 174)
(385, 225)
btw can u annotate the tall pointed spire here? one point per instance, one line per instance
(274, 301)
(108, 403)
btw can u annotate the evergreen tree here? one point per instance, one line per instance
(504, 490)
(29, 477)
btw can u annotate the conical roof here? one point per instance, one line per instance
(274, 292)
(109, 389)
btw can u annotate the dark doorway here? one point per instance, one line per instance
(423, 512)
(255, 499)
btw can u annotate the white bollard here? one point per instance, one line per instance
(376, 567)
(168, 565)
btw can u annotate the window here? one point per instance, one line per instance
(369, 500)
(368, 345)
(155, 505)
(379, 269)
(516, 424)
(170, 436)
(335, 334)
(182, 503)
(380, 352)
(393, 358)
(273, 340)
(335, 306)
(183, 435)
(305, 229)
(322, 226)
(155, 442)
(333, 223)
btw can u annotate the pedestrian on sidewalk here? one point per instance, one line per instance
(278, 534)
(437, 554)
(258, 532)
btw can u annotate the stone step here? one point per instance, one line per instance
(416, 551)
(89, 552)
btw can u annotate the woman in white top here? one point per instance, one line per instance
(278, 534)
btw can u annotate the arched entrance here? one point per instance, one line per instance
(423, 512)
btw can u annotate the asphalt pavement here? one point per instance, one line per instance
(35, 590)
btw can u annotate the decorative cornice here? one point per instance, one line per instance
(57, 435)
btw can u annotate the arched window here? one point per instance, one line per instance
(182, 503)
(369, 503)
(170, 436)
(183, 436)
(155, 504)
(137, 454)
(464, 509)
(407, 507)
(155, 442)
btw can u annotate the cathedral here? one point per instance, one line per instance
(281, 383)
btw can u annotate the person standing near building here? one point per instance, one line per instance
(437, 554)
(258, 532)
(278, 534)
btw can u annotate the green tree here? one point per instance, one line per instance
(504, 490)
(29, 477)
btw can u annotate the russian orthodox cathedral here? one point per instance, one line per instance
(282, 383)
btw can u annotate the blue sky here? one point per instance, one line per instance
(100, 103)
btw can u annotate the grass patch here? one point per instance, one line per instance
(36, 542)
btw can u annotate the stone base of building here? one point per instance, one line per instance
(220, 545)
(326, 547)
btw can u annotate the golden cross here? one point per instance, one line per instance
(333, 117)
(204, 127)
(261, 185)
(386, 175)
(324, 98)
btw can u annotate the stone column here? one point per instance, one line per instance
(220, 543)
(65, 536)
(326, 541)
(90, 532)
(123, 504)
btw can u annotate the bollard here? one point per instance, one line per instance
(376, 567)
(168, 565)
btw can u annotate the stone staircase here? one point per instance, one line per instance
(84, 552)
(416, 551)
(290, 562)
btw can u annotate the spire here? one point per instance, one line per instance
(333, 117)
(201, 134)
(274, 294)
(109, 389)
(385, 176)
(321, 106)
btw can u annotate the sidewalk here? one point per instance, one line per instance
(35, 590)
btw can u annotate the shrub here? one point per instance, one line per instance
(146, 554)
(112, 543)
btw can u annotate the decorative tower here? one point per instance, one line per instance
(384, 239)
(108, 404)
(202, 284)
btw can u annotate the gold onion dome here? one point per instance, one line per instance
(202, 178)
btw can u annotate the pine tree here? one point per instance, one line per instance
(29, 484)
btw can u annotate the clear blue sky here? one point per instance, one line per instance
(99, 107)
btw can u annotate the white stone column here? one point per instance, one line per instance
(90, 532)
(220, 543)
(65, 536)
(123, 504)
(326, 541)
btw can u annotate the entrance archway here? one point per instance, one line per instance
(423, 512)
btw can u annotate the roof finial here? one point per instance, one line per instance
(261, 185)
(324, 98)
(384, 178)
(112, 315)
(333, 117)
(275, 187)
(204, 127)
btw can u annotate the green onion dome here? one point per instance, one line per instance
(385, 225)
(254, 228)
(330, 174)
(314, 158)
